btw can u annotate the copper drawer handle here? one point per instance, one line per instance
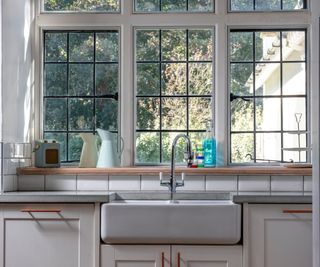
(41, 210)
(179, 259)
(162, 259)
(297, 211)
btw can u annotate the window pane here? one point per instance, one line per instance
(147, 5)
(268, 147)
(242, 146)
(294, 79)
(200, 5)
(55, 80)
(200, 78)
(242, 115)
(293, 45)
(174, 113)
(167, 139)
(148, 111)
(241, 46)
(74, 146)
(81, 114)
(174, 5)
(55, 47)
(61, 138)
(81, 79)
(107, 47)
(55, 114)
(291, 108)
(200, 45)
(147, 45)
(241, 79)
(107, 114)
(268, 114)
(148, 148)
(268, 79)
(81, 47)
(267, 46)
(267, 5)
(200, 113)
(173, 45)
(107, 77)
(79, 6)
(148, 81)
(174, 78)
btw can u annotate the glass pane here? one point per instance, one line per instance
(78, 6)
(55, 47)
(200, 5)
(147, 5)
(107, 114)
(200, 45)
(200, 78)
(196, 138)
(148, 148)
(294, 78)
(81, 114)
(268, 79)
(148, 113)
(241, 79)
(242, 115)
(107, 77)
(55, 114)
(200, 112)
(147, 45)
(267, 46)
(61, 138)
(81, 79)
(174, 5)
(268, 114)
(107, 47)
(268, 147)
(167, 139)
(74, 146)
(174, 76)
(268, 5)
(173, 45)
(241, 46)
(174, 113)
(294, 156)
(81, 47)
(55, 79)
(242, 148)
(292, 107)
(293, 4)
(148, 82)
(241, 5)
(292, 141)
(293, 46)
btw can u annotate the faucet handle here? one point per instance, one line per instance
(181, 183)
(163, 183)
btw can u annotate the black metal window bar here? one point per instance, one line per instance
(58, 98)
(258, 64)
(187, 96)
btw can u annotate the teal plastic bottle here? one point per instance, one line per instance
(209, 150)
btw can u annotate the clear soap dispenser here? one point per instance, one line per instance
(210, 148)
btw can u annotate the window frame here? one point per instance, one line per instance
(222, 20)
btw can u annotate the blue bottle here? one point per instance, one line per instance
(209, 150)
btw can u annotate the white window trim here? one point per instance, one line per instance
(221, 20)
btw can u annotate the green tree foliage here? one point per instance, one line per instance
(82, 5)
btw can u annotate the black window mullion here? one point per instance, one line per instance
(281, 93)
(68, 83)
(160, 89)
(94, 82)
(187, 81)
(254, 98)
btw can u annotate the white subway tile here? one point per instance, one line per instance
(287, 193)
(222, 183)
(24, 163)
(307, 193)
(149, 182)
(192, 183)
(9, 183)
(287, 183)
(18, 150)
(307, 183)
(254, 183)
(31, 183)
(27, 150)
(92, 182)
(60, 182)
(8, 150)
(10, 166)
(252, 193)
(117, 182)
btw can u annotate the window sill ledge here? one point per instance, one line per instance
(155, 171)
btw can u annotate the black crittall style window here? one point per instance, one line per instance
(174, 88)
(268, 95)
(80, 86)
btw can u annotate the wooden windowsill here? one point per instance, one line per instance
(155, 171)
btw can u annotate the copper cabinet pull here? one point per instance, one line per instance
(41, 210)
(179, 259)
(297, 211)
(162, 259)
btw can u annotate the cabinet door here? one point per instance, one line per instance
(47, 235)
(206, 256)
(278, 235)
(135, 256)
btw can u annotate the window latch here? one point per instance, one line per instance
(234, 97)
(111, 96)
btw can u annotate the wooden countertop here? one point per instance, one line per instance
(140, 170)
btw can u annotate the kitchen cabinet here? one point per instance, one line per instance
(52, 235)
(175, 256)
(277, 235)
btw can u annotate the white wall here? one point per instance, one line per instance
(17, 70)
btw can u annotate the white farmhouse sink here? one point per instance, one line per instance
(171, 222)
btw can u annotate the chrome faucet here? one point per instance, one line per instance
(173, 183)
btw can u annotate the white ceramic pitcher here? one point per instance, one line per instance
(89, 153)
(109, 155)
